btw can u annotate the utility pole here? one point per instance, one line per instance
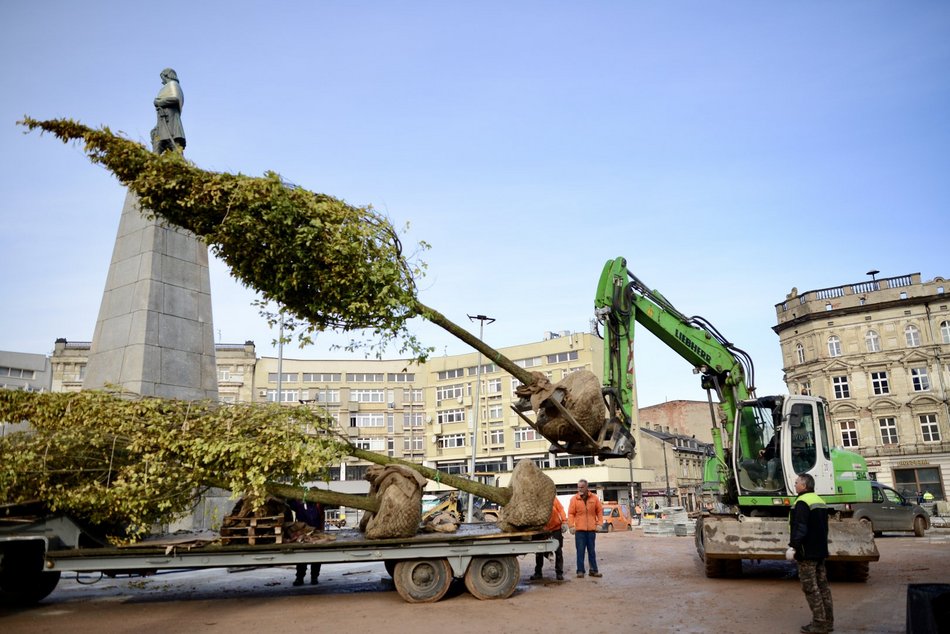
(666, 473)
(477, 404)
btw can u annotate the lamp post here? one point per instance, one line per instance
(478, 384)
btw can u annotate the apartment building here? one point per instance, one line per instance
(426, 414)
(878, 350)
(24, 371)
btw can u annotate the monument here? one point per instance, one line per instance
(154, 335)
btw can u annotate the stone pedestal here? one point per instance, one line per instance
(154, 335)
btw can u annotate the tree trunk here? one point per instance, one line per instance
(323, 496)
(493, 355)
(498, 495)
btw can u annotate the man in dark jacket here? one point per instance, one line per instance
(310, 513)
(808, 546)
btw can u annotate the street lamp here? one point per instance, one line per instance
(478, 384)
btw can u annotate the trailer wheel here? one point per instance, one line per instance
(23, 587)
(422, 580)
(492, 577)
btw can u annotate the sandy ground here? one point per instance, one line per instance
(652, 584)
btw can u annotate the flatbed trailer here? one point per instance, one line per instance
(33, 556)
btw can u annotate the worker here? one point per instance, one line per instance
(556, 526)
(311, 513)
(808, 545)
(928, 496)
(584, 514)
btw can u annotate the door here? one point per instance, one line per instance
(805, 446)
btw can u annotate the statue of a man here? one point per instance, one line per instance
(168, 133)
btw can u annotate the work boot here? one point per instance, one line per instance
(536, 576)
(298, 581)
(313, 581)
(594, 573)
(560, 576)
(580, 575)
(815, 627)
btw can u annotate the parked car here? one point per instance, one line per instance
(616, 517)
(889, 511)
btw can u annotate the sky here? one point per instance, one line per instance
(728, 150)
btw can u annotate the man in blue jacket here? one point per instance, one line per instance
(808, 546)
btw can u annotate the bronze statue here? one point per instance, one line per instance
(168, 134)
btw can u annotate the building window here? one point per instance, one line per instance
(524, 434)
(488, 368)
(806, 388)
(911, 482)
(451, 441)
(920, 379)
(451, 374)
(800, 352)
(494, 437)
(367, 419)
(367, 396)
(879, 383)
(929, 430)
(321, 377)
(493, 386)
(400, 377)
(873, 341)
(945, 331)
(285, 377)
(370, 444)
(451, 416)
(414, 420)
(841, 387)
(495, 412)
(325, 395)
(888, 430)
(561, 357)
(912, 335)
(446, 392)
(286, 396)
(849, 433)
(412, 396)
(364, 377)
(528, 363)
(834, 346)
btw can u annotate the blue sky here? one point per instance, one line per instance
(729, 150)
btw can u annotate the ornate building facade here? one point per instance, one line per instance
(878, 350)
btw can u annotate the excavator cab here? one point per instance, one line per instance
(776, 439)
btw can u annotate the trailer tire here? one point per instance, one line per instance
(493, 577)
(422, 580)
(19, 588)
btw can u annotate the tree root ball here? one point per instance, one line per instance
(532, 498)
(583, 399)
(399, 492)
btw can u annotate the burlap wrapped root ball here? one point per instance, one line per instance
(532, 499)
(398, 490)
(582, 398)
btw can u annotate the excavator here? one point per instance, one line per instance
(761, 443)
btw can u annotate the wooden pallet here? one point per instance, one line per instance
(253, 530)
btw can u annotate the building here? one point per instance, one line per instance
(678, 462)
(878, 350)
(426, 413)
(24, 371)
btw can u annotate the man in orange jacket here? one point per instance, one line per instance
(584, 515)
(556, 526)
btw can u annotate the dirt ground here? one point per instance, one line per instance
(653, 584)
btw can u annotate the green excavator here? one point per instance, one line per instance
(761, 443)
